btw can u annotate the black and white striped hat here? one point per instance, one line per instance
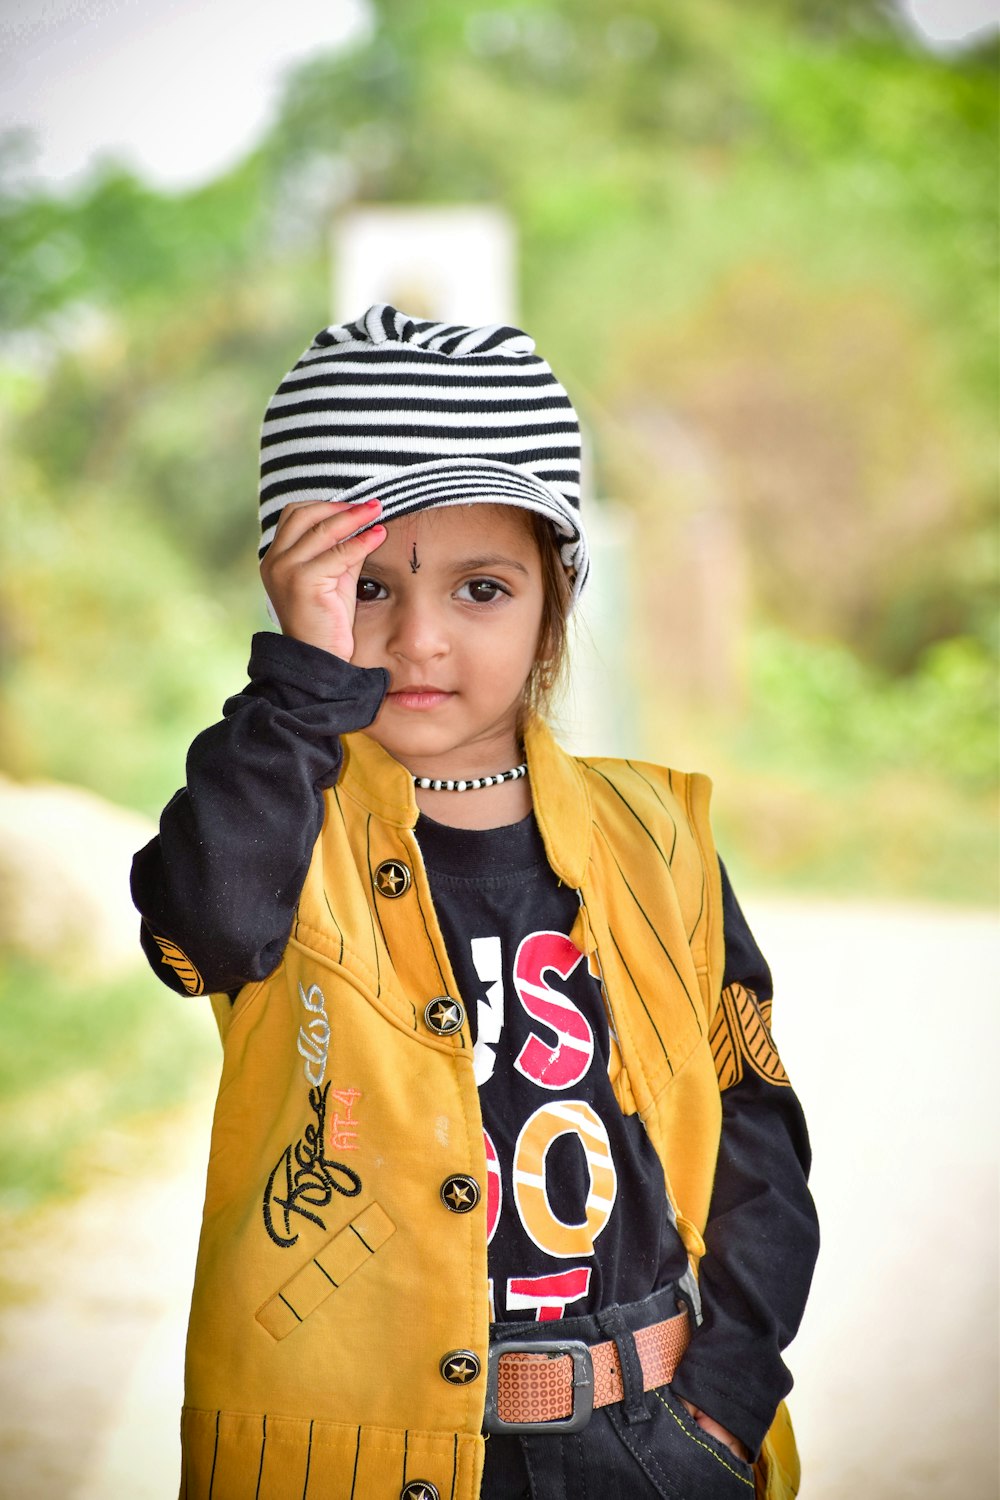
(420, 414)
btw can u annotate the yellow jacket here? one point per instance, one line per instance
(342, 1111)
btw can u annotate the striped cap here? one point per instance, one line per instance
(418, 414)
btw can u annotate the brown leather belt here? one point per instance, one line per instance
(551, 1385)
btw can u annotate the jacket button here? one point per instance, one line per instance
(392, 878)
(460, 1366)
(444, 1015)
(460, 1193)
(420, 1489)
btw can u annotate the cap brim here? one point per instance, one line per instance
(467, 481)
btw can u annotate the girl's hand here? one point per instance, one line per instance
(716, 1430)
(311, 572)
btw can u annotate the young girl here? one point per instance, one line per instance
(498, 1078)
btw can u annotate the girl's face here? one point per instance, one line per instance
(451, 605)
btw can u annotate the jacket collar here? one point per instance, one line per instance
(562, 804)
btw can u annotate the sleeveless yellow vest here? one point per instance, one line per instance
(332, 1275)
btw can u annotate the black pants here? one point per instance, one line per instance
(644, 1448)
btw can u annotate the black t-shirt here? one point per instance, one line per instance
(577, 1214)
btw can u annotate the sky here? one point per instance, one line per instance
(181, 89)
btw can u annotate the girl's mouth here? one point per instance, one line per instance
(421, 696)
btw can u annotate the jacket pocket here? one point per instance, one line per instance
(343, 1253)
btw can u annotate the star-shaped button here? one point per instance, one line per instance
(460, 1368)
(460, 1193)
(444, 1015)
(420, 1489)
(392, 878)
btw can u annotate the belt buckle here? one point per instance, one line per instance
(583, 1384)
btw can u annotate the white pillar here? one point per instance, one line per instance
(450, 264)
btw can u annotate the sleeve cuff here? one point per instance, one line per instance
(293, 674)
(724, 1405)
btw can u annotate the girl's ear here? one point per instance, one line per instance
(550, 652)
(546, 648)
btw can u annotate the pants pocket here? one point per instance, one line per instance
(680, 1459)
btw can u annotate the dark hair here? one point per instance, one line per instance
(549, 670)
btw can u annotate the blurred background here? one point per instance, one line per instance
(759, 244)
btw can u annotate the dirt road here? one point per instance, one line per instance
(887, 1020)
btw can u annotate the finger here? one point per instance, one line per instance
(373, 537)
(302, 516)
(320, 553)
(357, 548)
(298, 515)
(338, 518)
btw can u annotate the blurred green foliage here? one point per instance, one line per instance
(845, 721)
(77, 1059)
(842, 780)
(774, 226)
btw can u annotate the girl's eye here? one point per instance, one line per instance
(369, 590)
(482, 590)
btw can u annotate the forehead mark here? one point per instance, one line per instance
(434, 527)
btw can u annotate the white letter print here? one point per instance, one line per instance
(314, 1038)
(488, 961)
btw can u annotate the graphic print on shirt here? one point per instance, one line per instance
(531, 1186)
(487, 958)
(546, 1140)
(547, 1296)
(494, 1187)
(567, 1063)
(182, 966)
(741, 1033)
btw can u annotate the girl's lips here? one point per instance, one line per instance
(419, 697)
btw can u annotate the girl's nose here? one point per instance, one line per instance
(418, 632)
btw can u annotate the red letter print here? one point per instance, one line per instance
(494, 1187)
(344, 1128)
(561, 1066)
(548, 1294)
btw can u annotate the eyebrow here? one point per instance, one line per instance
(496, 560)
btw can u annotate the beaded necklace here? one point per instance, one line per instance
(472, 783)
